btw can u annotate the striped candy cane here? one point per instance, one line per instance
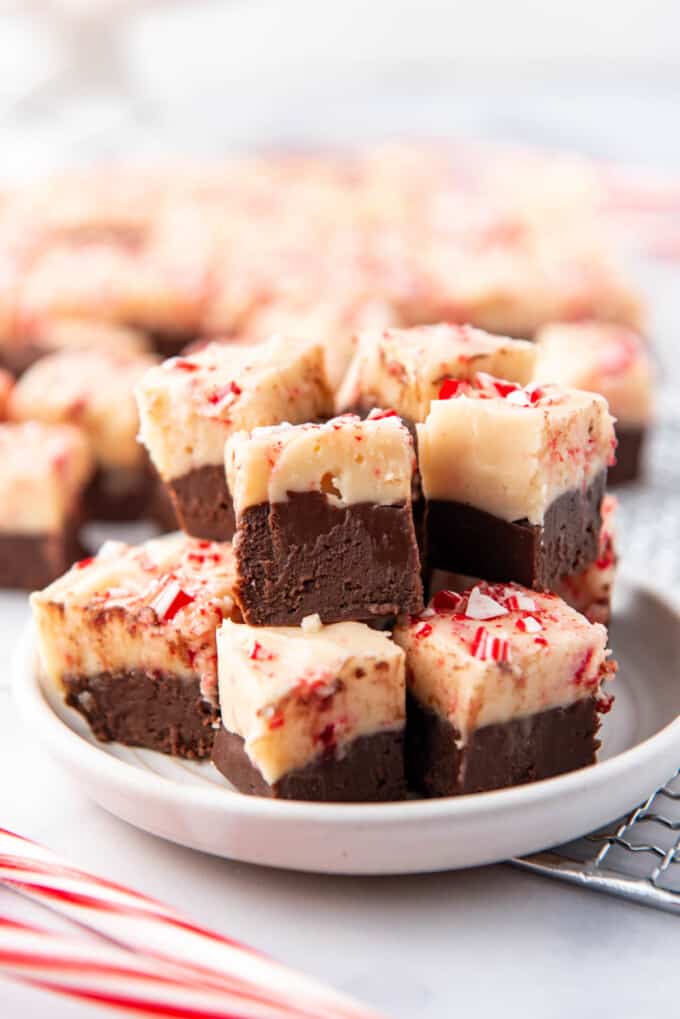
(158, 932)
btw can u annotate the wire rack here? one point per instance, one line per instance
(636, 857)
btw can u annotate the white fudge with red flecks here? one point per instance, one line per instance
(189, 406)
(298, 702)
(511, 450)
(405, 368)
(600, 358)
(128, 636)
(482, 661)
(610, 360)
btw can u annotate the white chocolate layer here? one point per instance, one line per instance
(600, 358)
(153, 607)
(404, 368)
(590, 591)
(93, 389)
(514, 459)
(293, 693)
(190, 406)
(43, 470)
(349, 460)
(486, 671)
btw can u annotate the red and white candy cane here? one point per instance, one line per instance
(158, 932)
(102, 973)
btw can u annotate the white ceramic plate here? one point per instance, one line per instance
(193, 805)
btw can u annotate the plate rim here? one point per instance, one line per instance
(36, 711)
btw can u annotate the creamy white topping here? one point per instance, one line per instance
(293, 694)
(43, 470)
(93, 389)
(190, 406)
(601, 358)
(153, 607)
(405, 368)
(511, 451)
(535, 654)
(347, 459)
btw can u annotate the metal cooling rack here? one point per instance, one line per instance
(636, 857)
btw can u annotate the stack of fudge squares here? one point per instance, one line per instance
(398, 587)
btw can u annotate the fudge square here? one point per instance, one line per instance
(311, 712)
(513, 479)
(128, 636)
(405, 368)
(504, 687)
(95, 391)
(189, 406)
(324, 521)
(610, 360)
(45, 470)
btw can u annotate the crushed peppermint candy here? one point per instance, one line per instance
(377, 414)
(258, 653)
(529, 624)
(311, 624)
(424, 630)
(482, 606)
(447, 601)
(520, 602)
(450, 388)
(169, 600)
(486, 647)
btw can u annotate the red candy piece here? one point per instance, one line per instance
(423, 631)
(170, 599)
(485, 647)
(260, 654)
(82, 563)
(377, 415)
(231, 389)
(447, 601)
(450, 388)
(185, 366)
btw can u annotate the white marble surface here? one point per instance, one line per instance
(479, 940)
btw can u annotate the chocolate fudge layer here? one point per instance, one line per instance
(94, 389)
(311, 712)
(590, 590)
(610, 360)
(190, 406)
(161, 712)
(467, 540)
(629, 455)
(504, 688)
(324, 522)
(371, 768)
(128, 636)
(513, 479)
(405, 368)
(525, 750)
(44, 473)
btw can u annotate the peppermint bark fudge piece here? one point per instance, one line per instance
(190, 406)
(311, 712)
(324, 521)
(45, 469)
(32, 340)
(405, 368)
(504, 688)
(95, 391)
(610, 360)
(513, 479)
(128, 636)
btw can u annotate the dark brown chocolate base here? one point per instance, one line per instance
(462, 539)
(628, 466)
(16, 358)
(370, 770)
(168, 344)
(160, 508)
(307, 556)
(203, 504)
(165, 713)
(32, 561)
(118, 494)
(497, 756)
